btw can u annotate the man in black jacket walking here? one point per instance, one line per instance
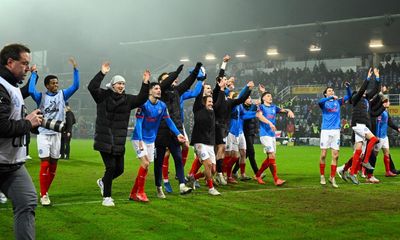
(113, 109)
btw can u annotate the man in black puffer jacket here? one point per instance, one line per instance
(170, 94)
(113, 109)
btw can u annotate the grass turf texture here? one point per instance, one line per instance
(301, 209)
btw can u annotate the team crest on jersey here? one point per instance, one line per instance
(159, 111)
(52, 108)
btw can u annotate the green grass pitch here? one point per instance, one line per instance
(301, 209)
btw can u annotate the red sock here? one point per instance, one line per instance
(135, 186)
(210, 183)
(386, 161)
(198, 175)
(185, 153)
(43, 177)
(195, 166)
(225, 163)
(322, 168)
(273, 169)
(142, 179)
(264, 166)
(333, 171)
(242, 168)
(165, 166)
(369, 175)
(348, 164)
(230, 165)
(52, 173)
(370, 147)
(356, 158)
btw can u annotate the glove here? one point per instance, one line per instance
(179, 69)
(198, 65)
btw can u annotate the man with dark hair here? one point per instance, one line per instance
(15, 181)
(148, 119)
(51, 103)
(170, 94)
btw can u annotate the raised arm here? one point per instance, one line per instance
(245, 95)
(221, 95)
(141, 98)
(37, 96)
(188, 82)
(97, 93)
(172, 76)
(377, 87)
(139, 124)
(193, 93)
(75, 85)
(356, 97)
(198, 102)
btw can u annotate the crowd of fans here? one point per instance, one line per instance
(308, 115)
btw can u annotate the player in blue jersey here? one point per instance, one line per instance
(235, 149)
(267, 116)
(52, 104)
(148, 119)
(330, 130)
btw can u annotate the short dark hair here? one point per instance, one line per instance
(162, 75)
(204, 99)
(326, 90)
(262, 96)
(48, 78)
(153, 84)
(12, 51)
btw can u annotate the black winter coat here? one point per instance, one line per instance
(113, 112)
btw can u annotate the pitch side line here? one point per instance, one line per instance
(204, 193)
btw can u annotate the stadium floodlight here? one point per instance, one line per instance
(184, 60)
(272, 52)
(375, 44)
(240, 55)
(210, 57)
(314, 48)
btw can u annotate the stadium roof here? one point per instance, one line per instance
(160, 31)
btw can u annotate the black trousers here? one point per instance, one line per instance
(250, 153)
(114, 168)
(65, 145)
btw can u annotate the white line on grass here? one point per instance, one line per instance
(204, 193)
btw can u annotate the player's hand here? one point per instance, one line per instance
(181, 138)
(105, 67)
(347, 84)
(290, 114)
(256, 102)
(272, 126)
(226, 58)
(376, 72)
(35, 118)
(141, 145)
(34, 68)
(68, 134)
(146, 76)
(369, 73)
(261, 88)
(250, 85)
(73, 62)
